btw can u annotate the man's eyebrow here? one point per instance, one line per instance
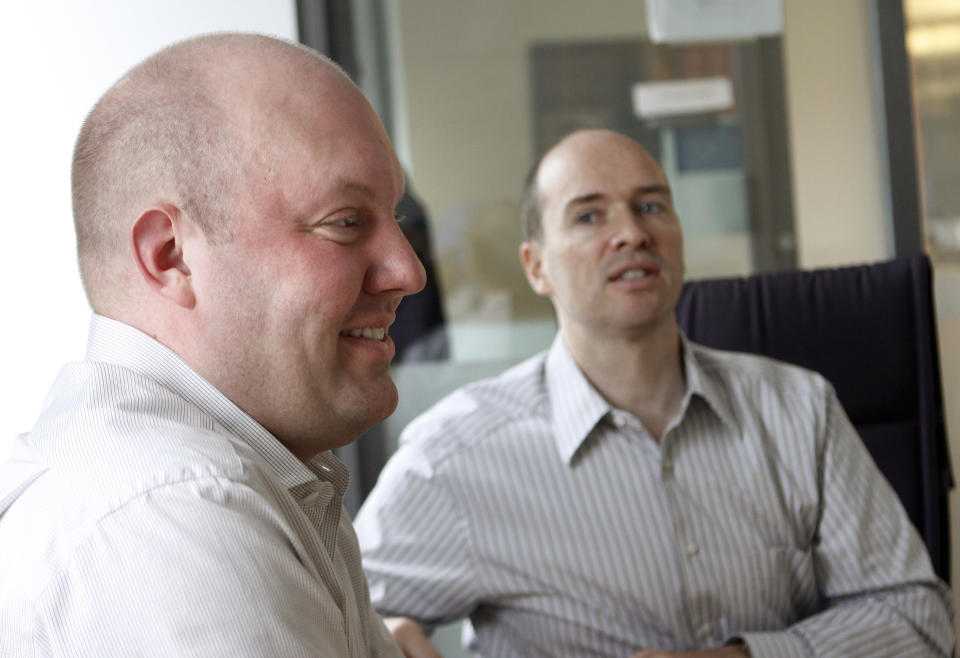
(657, 188)
(584, 198)
(354, 186)
(590, 197)
(365, 190)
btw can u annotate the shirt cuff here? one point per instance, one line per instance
(780, 644)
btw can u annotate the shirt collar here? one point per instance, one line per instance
(577, 407)
(701, 384)
(120, 344)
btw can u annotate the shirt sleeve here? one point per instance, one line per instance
(415, 542)
(880, 593)
(202, 568)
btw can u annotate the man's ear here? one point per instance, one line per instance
(531, 256)
(158, 245)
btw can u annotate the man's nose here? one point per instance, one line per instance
(629, 230)
(397, 267)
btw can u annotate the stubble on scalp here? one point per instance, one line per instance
(176, 129)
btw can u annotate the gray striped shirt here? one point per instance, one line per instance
(146, 515)
(561, 528)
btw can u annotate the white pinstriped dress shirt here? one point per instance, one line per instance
(147, 515)
(561, 528)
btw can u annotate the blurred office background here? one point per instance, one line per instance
(830, 140)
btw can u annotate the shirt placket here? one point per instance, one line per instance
(320, 502)
(684, 546)
(690, 548)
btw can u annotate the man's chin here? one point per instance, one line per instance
(375, 404)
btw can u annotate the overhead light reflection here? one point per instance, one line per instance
(934, 40)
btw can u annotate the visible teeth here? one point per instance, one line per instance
(367, 332)
(633, 274)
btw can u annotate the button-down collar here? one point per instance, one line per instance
(577, 406)
(699, 383)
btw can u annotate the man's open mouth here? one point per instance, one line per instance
(376, 333)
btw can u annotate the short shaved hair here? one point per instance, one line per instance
(163, 133)
(530, 209)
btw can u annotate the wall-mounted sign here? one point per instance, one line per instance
(712, 20)
(669, 98)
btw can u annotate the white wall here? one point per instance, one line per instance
(838, 170)
(56, 58)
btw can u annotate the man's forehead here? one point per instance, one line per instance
(366, 190)
(594, 165)
(299, 174)
(328, 117)
(306, 124)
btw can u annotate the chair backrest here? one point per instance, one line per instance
(868, 329)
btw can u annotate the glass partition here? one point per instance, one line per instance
(479, 90)
(933, 44)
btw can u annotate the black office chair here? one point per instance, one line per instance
(870, 330)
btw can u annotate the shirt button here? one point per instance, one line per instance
(692, 549)
(619, 420)
(310, 497)
(667, 465)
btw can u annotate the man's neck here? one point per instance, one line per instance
(641, 374)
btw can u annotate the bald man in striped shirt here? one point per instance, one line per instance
(630, 493)
(234, 201)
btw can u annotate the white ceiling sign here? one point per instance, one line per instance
(713, 20)
(679, 97)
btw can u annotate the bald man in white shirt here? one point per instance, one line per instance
(234, 202)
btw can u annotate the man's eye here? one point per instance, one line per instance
(651, 207)
(587, 218)
(347, 221)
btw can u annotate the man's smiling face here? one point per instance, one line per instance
(298, 304)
